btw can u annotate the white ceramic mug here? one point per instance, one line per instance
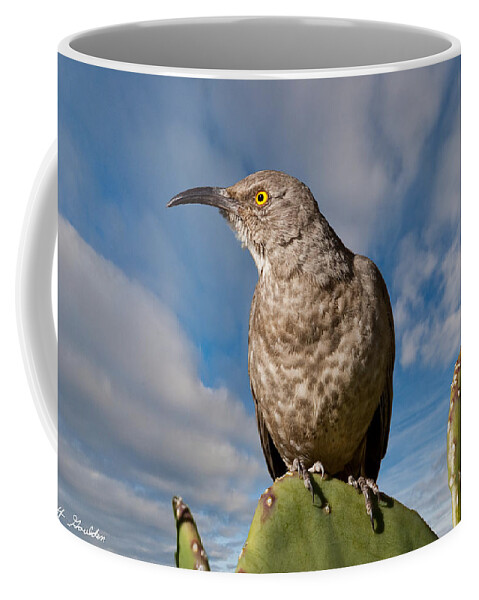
(351, 126)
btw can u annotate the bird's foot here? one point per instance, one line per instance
(317, 468)
(304, 474)
(366, 485)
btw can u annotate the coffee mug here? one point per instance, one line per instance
(258, 249)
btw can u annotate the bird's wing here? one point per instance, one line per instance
(378, 433)
(275, 463)
(276, 466)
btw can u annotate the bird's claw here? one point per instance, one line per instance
(317, 468)
(304, 474)
(366, 485)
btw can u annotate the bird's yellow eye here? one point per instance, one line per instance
(261, 198)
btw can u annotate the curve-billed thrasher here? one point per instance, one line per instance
(321, 333)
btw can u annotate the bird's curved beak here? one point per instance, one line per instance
(212, 196)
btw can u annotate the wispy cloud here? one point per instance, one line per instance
(428, 271)
(357, 142)
(415, 467)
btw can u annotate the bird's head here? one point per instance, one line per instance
(268, 210)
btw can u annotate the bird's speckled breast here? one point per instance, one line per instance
(317, 362)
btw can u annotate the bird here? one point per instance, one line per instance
(321, 343)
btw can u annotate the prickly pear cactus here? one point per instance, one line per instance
(289, 533)
(190, 553)
(454, 443)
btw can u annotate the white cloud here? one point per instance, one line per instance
(429, 494)
(415, 468)
(357, 142)
(130, 394)
(371, 146)
(109, 494)
(429, 329)
(447, 192)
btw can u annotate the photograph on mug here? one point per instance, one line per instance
(259, 316)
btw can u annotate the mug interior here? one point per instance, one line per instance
(261, 43)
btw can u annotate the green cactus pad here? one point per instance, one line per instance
(190, 553)
(454, 443)
(289, 533)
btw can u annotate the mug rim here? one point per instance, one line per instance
(66, 49)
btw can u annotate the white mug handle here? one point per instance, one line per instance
(36, 328)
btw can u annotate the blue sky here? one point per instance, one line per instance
(154, 395)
